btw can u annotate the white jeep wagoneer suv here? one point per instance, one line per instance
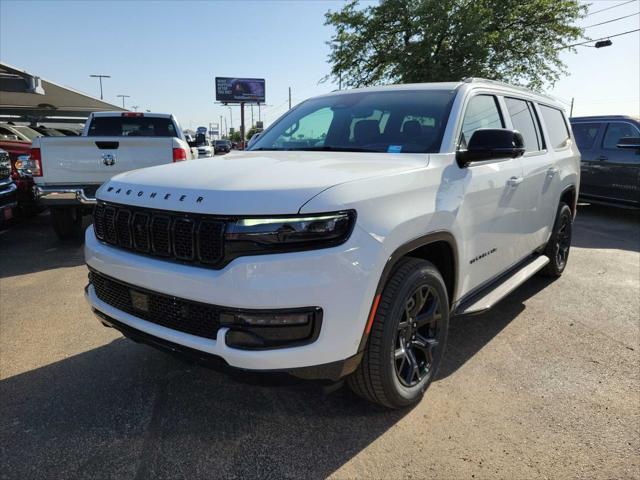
(342, 242)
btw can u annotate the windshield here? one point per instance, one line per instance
(27, 132)
(400, 121)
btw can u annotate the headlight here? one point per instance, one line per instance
(284, 234)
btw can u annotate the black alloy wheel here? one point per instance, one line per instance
(417, 337)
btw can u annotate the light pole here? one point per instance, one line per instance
(100, 77)
(123, 97)
(231, 116)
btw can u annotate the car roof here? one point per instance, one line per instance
(604, 118)
(120, 114)
(467, 83)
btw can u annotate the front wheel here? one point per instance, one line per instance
(407, 338)
(557, 248)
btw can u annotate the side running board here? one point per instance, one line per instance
(487, 299)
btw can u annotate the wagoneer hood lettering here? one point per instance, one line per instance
(250, 182)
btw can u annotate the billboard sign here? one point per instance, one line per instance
(233, 90)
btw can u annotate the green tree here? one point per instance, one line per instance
(405, 41)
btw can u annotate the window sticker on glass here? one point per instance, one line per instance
(394, 149)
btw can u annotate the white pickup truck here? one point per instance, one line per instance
(68, 170)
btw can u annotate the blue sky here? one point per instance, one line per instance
(166, 54)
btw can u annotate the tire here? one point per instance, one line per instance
(385, 375)
(67, 222)
(559, 244)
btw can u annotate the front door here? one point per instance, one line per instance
(492, 204)
(586, 134)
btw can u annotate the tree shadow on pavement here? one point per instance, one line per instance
(30, 246)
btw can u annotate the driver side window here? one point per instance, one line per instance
(310, 131)
(482, 112)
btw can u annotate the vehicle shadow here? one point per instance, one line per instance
(126, 410)
(603, 227)
(469, 334)
(39, 248)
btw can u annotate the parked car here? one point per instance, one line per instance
(340, 245)
(17, 132)
(205, 149)
(610, 167)
(222, 146)
(47, 131)
(68, 170)
(18, 151)
(8, 190)
(69, 132)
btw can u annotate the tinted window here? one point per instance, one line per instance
(131, 127)
(524, 120)
(556, 126)
(585, 134)
(482, 112)
(391, 121)
(616, 131)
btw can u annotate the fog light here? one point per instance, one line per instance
(275, 329)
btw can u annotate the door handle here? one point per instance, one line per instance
(602, 158)
(515, 181)
(552, 171)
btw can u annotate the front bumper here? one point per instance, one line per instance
(65, 196)
(340, 280)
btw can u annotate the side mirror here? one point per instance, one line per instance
(491, 143)
(629, 143)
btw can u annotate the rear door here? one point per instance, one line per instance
(586, 135)
(618, 169)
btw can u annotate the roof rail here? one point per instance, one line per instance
(508, 85)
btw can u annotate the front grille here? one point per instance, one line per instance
(182, 237)
(186, 316)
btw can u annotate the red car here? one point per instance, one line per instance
(24, 182)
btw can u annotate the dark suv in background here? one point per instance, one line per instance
(610, 168)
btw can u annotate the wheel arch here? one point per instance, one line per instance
(439, 248)
(570, 197)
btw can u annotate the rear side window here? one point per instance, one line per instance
(131, 127)
(616, 131)
(585, 134)
(482, 112)
(525, 121)
(556, 126)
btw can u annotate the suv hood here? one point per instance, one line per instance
(250, 183)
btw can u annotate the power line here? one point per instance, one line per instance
(603, 38)
(613, 20)
(609, 8)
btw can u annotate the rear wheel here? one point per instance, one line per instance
(407, 338)
(67, 222)
(557, 248)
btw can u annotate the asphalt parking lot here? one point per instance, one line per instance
(545, 386)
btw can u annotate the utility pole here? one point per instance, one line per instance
(100, 77)
(289, 98)
(230, 116)
(123, 97)
(259, 117)
(252, 124)
(220, 128)
(571, 110)
(242, 124)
